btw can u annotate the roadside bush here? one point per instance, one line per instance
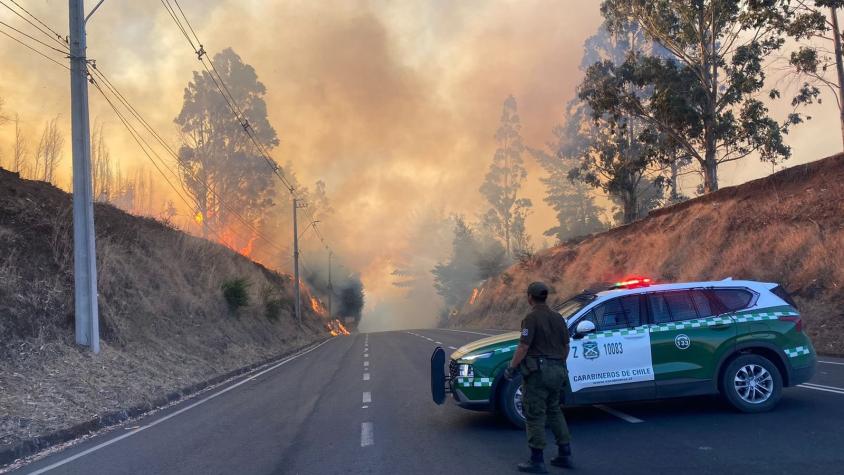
(236, 293)
(272, 304)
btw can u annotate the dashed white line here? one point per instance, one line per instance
(438, 342)
(366, 355)
(367, 397)
(366, 376)
(367, 434)
(831, 362)
(452, 348)
(173, 414)
(619, 414)
(366, 363)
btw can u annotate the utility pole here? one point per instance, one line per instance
(296, 206)
(330, 288)
(84, 250)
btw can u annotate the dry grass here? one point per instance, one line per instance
(164, 322)
(786, 228)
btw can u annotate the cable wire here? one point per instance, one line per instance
(53, 34)
(35, 50)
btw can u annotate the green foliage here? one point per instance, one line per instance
(703, 91)
(503, 181)
(273, 304)
(236, 293)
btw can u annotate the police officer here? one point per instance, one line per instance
(541, 357)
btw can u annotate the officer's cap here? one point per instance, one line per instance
(538, 291)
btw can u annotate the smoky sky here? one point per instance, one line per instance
(392, 104)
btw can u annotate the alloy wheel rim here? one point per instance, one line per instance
(753, 384)
(517, 402)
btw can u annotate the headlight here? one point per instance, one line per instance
(465, 371)
(479, 356)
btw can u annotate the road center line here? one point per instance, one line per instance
(367, 434)
(619, 414)
(366, 376)
(367, 397)
(366, 363)
(173, 414)
(438, 342)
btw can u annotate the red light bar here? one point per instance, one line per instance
(633, 282)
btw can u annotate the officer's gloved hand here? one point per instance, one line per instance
(509, 373)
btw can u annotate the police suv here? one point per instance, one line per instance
(641, 340)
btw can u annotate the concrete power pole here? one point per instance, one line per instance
(84, 250)
(330, 288)
(296, 206)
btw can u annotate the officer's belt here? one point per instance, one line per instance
(551, 361)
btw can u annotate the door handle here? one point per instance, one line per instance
(720, 326)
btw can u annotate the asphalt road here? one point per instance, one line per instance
(361, 404)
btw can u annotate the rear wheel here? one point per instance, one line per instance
(752, 383)
(511, 402)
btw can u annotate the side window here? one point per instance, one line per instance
(680, 305)
(659, 308)
(616, 313)
(704, 307)
(671, 307)
(734, 299)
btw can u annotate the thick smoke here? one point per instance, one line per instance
(392, 104)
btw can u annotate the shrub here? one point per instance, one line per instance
(236, 292)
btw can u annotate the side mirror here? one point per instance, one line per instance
(583, 328)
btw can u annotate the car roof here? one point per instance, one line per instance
(752, 284)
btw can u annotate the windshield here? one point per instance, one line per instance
(573, 305)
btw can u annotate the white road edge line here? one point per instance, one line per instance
(367, 397)
(366, 376)
(367, 434)
(831, 362)
(817, 388)
(619, 414)
(171, 415)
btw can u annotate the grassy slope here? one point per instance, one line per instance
(164, 322)
(786, 228)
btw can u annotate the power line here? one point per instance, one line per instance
(53, 34)
(62, 51)
(35, 50)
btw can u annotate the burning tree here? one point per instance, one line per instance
(217, 160)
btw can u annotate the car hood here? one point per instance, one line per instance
(485, 344)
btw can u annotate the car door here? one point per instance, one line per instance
(614, 362)
(688, 338)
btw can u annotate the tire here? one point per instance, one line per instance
(752, 383)
(510, 402)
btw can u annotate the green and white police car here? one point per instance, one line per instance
(641, 340)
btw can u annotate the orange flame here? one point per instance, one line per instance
(474, 296)
(317, 307)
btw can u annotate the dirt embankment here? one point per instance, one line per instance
(165, 324)
(786, 228)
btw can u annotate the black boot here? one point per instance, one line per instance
(563, 458)
(536, 464)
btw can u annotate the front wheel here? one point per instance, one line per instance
(752, 383)
(511, 401)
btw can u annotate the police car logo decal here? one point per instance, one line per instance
(682, 341)
(525, 332)
(590, 350)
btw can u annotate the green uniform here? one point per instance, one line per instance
(544, 332)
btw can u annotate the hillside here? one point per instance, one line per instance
(786, 228)
(165, 324)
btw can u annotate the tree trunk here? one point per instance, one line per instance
(675, 196)
(629, 202)
(839, 67)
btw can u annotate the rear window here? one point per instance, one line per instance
(733, 299)
(780, 292)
